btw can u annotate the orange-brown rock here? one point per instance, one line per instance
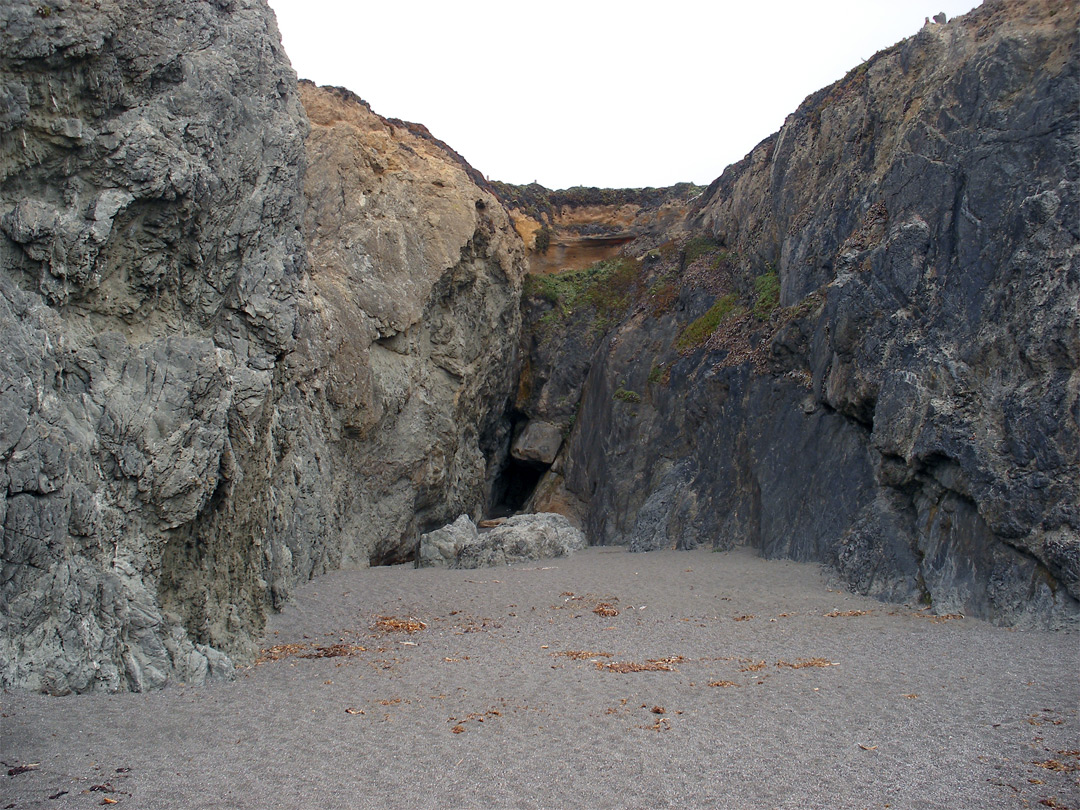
(573, 228)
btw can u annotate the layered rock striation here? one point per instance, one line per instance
(868, 354)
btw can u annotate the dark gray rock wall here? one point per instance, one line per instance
(909, 413)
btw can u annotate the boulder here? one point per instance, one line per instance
(440, 548)
(520, 539)
(539, 442)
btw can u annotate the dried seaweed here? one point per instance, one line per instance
(582, 655)
(662, 665)
(756, 666)
(280, 651)
(801, 663)
(391, 624)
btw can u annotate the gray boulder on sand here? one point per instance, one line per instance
(439, 549)
(519, 539)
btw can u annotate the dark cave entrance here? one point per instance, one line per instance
(518, 478)
(514, 486)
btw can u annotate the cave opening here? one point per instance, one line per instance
(514, 486)
(518, 475)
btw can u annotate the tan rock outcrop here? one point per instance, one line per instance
(415, 274)
(572, 229)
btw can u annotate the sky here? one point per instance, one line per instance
(620, 94)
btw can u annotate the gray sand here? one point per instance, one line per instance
(484, 709)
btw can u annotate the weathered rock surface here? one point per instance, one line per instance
(572, 228)
(411, 335)
(440, 548)
(223, 374)
(522, 538)
(149, 202)
(190, 419)
(539, 442)
(908, 411)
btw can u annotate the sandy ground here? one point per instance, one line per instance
(758, 686)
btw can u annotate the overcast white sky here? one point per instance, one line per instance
(593, 92)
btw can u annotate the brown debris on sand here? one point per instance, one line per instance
(802, 663)
(753, 666)
(582, 655)
(652, 665)
(391, 624)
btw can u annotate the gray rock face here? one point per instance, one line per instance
(191, 419)
(149, 201)
(908, 413)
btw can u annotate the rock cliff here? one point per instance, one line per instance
(868, 353)
(413, 322)
(254, 332)
(210, 388)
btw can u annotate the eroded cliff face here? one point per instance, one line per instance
(149, 204)
(573, 228)
(191, 420)
(224, 374)
(414, 316)
(869, 355)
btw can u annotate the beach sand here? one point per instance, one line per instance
(603, 680)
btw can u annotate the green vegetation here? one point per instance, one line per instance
(606, 287)
(697, 332)
(659, 374)
(767, 287)
(543, 239)
(624, 395)
(700, 246)
(724, 257)
(662, 296)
